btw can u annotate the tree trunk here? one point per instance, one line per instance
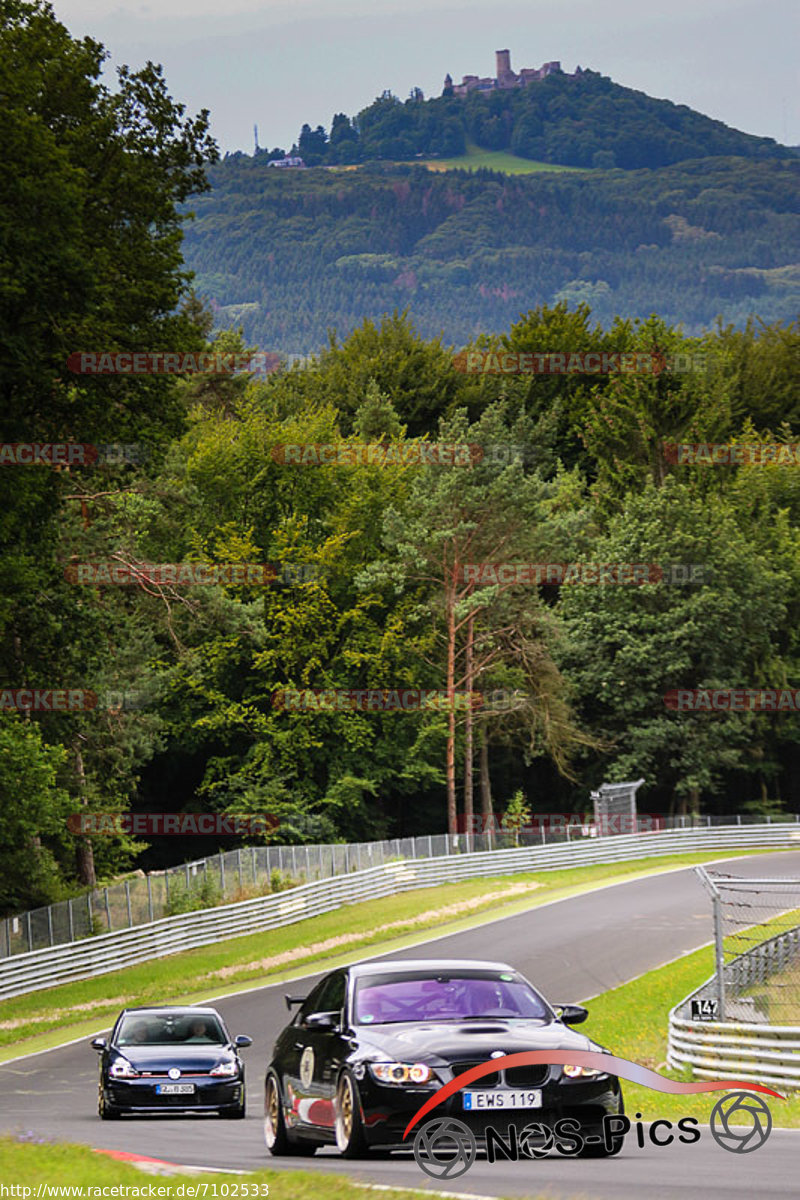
(450, 603)
(487, 811)
(468, 730)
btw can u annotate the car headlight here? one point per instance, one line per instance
(397, 1072)
(122, 1069)
(572, 1072)
(228, 1067)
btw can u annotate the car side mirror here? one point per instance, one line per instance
(571, 1014)
(98, 1044)
(242, 1040)
(322, 1020)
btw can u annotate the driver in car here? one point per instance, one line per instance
(199, 1032)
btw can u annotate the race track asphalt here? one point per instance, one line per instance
(571, 949)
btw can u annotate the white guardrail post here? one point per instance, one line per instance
(102, 953)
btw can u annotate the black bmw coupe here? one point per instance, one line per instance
(160, 1059)
(372, 1042)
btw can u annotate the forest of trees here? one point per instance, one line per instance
(93, 191)
(289, 255)
(585, 120)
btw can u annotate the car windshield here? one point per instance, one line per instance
(389, 999)
(173, 1029)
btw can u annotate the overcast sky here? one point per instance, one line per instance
(279, 64)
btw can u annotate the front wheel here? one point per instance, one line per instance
(350, 1140)
(106, 1111)
(275, 1135)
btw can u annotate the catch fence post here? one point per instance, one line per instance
(719, 953)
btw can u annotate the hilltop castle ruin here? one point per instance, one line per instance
(505, 78)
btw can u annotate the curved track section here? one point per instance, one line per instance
(571, 949)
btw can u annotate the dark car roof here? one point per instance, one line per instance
(411, 965)
(176, 1009)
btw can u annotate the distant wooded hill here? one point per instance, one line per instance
(289, 255)
(580, 121)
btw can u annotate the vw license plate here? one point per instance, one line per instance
(502, 1098)
(174, 1089)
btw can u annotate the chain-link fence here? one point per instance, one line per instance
(256, 870)
(757, 950)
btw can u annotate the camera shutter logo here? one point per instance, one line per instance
(445, 1148)
(536, 1140)
(740, 1108)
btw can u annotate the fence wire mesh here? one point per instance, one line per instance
(757, 948)
(251, 871)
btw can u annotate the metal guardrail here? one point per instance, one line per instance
(740, 1050)
(230, 875)
(109, 952)
(751, 1050)
(220, 878)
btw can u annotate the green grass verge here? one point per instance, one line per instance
(632, 1022)
(65, 1165)
(40, 1020)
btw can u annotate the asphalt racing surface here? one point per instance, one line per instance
(570, 950)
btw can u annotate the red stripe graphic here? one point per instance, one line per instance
(621, 1067)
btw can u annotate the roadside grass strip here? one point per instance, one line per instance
(52, 1170)
(48, 1018)
(632, 1022)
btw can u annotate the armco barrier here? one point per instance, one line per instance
(750, 1050)
(733, 1050)
(229, 876)
(109, 952)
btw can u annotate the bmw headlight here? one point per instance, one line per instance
(122, 1069)
(228, 1067)
(397, 1072)
(572, 1072)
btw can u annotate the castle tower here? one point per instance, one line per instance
(503, 61)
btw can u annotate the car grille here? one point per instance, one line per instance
(486, 1081)
(523, 1077)
(515, 1077)
(165, 1074)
